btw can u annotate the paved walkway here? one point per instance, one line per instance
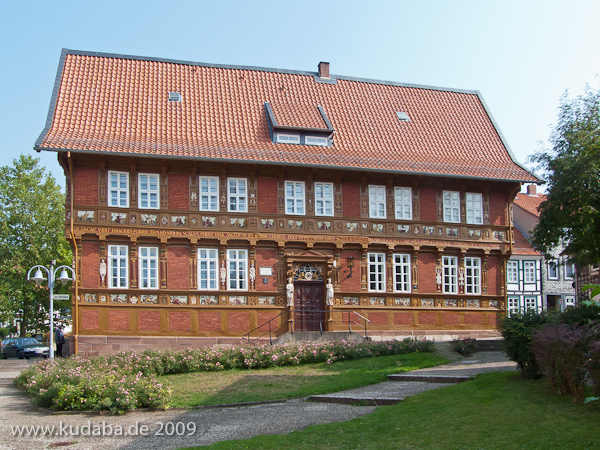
(184, 428)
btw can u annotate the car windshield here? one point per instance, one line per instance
(27, 341)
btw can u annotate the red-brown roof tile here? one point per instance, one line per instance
(116, 104)
(530, 203)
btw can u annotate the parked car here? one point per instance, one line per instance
(23, 348)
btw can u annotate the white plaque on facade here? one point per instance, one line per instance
(265, 271)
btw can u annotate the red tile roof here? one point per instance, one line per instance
(118, 104)
(521, 246)
(529, 203)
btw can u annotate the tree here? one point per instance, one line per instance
(571, 213)
(31, 233)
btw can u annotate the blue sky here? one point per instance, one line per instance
(522, 55)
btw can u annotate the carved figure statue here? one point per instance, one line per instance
(289, 288)
(330, 293)
(102, 270)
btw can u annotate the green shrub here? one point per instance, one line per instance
(466, 347)
(582, 314)
(517, 330)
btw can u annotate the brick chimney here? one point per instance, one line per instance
(324, 69)
(532, 189)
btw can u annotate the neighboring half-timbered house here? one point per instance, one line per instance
(205, 200)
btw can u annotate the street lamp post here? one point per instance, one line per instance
(38, 277)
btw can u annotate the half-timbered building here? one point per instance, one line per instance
(204, 201)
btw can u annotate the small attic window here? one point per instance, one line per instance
(403, 116)
(288, 138)
(175, 97)
(315, 140)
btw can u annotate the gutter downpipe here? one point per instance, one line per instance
(75, 317)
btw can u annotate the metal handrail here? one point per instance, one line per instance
(320, 321)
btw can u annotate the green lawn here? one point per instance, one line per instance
(494, 411)
(234, 386)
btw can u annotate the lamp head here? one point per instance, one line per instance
(38, 277)
(64, 277)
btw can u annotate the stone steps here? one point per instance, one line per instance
(490, 345)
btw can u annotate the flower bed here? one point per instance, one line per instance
(126, 381)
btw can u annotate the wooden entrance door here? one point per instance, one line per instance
(309, 300)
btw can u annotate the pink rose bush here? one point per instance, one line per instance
(127, 381)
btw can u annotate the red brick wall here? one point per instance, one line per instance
(264, 316)
(498, 208)
(266, 191)
(149, 320)
(493, 275)
(427, 273)
(350, 284)
(451, 319)
(351, 199)
(118, 320)
(492, 319)
(90, 265)
(179, 191)
(209, 321)
(427, 318)
(90, 319)
(473, 319)
(179, 321)
(178, 258)
(85, 186)
(403, 318)
(239, 321)
(266, 257)
(378, 318)
(428, 201)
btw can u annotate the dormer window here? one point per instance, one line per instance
(288, 138)
(315, 140)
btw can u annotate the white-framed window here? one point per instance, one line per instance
(530, 303)
(288, 138)
(376, 265)
(513, 305)
(209, 194)
(237, 270)
(401, 272)
(529, 272)
(316, 140)
(294, 198)
(472, 276)
(118, 189)
(569, 300)
(552, 270)
(323, 199)
(377, 202)
(208, 269)
(512, 272)
(237, 195)
(451, 206)
(569, 271)
(474, 208)
(403, 197)
(148, 267)
(118, 269)
(148, 191)
(450, 272)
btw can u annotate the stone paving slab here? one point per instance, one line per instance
(400, 386)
